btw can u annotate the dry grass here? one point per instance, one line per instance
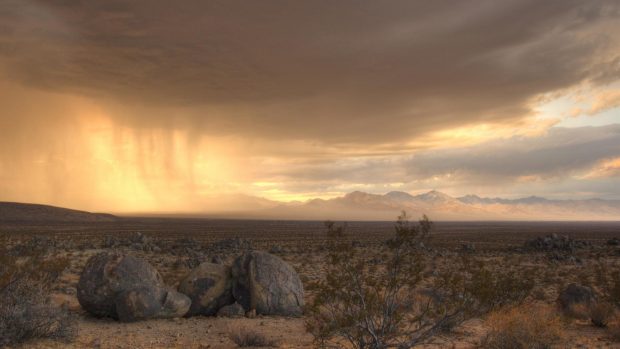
(523, 328)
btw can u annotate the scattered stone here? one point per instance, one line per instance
(613, 242)
(468, 247)
(266, 283)
(276, 249)
(209, 286)
(554, 242)
(232, 310)
(234, 244)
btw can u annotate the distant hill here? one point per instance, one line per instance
(14, 211)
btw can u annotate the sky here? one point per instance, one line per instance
(159, 106)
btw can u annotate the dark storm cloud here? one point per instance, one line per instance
(337, 71)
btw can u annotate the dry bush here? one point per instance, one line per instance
(26, 311)
(377, 305)
(245, 337)
(601, 313)
(607, 279)
(613, 328)
(523, 328)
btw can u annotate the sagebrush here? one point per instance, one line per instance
(387, 298)
(26, 311)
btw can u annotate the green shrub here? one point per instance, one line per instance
(373, 299)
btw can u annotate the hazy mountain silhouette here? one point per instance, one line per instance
(13, 211)
(440, 206)
(358, 205)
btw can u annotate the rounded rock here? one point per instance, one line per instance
(108, 274)
(267, 284)
(209, 286)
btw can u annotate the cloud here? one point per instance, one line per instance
(346, 72)
(513, 164)
(147, 105)
(605, 168)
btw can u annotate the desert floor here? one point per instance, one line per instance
(174, 246)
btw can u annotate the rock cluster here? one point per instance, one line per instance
(136, 241)
(130, 289)
(554, 242)
(613, 242)
(234, 244)
(127, 288)
(257, 281)
(40, 244)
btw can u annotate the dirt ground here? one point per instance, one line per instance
(175, 246)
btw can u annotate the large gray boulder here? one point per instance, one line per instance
(147, 302)
(209, 286)
(112, 279)
(266, 283)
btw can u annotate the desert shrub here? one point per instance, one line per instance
(479, 287)
(613, 328)
(245, 337)
(607, 279)
(379, 305)
(523, 328)
(600, 313)
(26, 311)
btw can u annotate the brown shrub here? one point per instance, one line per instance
(369, 299)
(523, 328)
(26, 311)
(601, 313)
(613, 329)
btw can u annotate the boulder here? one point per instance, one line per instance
(108, 274)
(209, 286)
(232, 310)
(267, 284)
(147, 302)
(575, 294)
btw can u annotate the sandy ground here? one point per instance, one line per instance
(305, 255)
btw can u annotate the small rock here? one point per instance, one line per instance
(232, 310)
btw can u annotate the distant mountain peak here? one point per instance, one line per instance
(434, 195)
(399, 195)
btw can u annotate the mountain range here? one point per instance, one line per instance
(359, 205)
(440, 206)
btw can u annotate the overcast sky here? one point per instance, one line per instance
(166, 106)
